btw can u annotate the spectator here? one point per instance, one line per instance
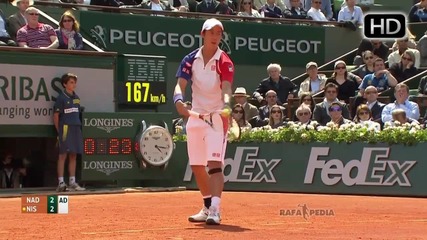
(375, 107)
(412, 43)
(5, 39)
(18, 20)
(181, 5)
(260, 3)
(283, 86)
(379, 49)
(307, 99)
(364, 118)
(241, 98)
(276, 117)
(368, 67)
(418, 12)
(323, 9)
(225, 7)
(182, 121)
(295, 11)
(382, 79)
(238, 114)
(347, 82)
(271, 10)
(9, 174)
(35, 34)
(264, 111)
(207, 6)
(405, 68)
(401, 93)
(399, 115)
(422, 87)
(336, 113)
(303, 114)
(422, 48)
(154, 5)
(351, 12)
(315, 12)
(68, 35)
(246, 9)
(402, 45)
(321, 110)
(301, 4)
(315, 81)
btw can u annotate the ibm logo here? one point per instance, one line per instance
(384, 26)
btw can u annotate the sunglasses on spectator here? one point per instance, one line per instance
(370, 57)
(303, 114)
(363, 113)
(238, 111)
(335, 109)
(306, 100)
(318, 2)
(67, 20)
(247, 3)
(342, 67)
(275, 111)
(407, 59)
(33, 14)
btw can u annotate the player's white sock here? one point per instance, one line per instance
(72, 180)
(216, 201)
(61, 179)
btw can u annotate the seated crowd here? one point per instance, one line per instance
(24, 29)
(277, 93)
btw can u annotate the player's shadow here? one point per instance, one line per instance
(222, 227)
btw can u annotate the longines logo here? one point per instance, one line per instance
(108, 124)
(107, 167)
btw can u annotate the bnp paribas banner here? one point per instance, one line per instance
(28, 92)
(249, 43)
(355, 168)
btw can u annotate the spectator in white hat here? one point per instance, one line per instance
(241, 97)
(315, 81)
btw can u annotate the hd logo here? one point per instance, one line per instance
(245, 167)
(373, 169)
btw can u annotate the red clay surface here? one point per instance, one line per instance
(244, 216)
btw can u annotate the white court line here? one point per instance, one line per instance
(132, 230)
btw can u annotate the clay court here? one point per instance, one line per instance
(245, 216)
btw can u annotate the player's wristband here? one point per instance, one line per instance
(177, 97)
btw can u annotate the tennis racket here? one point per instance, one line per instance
(234, 130)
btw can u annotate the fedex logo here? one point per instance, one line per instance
(373, 169)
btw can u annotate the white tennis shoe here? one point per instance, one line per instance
(201, 216)
(75, 187)
(214, 217)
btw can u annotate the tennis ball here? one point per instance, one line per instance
(226, 112)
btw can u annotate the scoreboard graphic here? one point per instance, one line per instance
(51, 204)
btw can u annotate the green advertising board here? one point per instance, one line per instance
(322, 168)
(248, 43)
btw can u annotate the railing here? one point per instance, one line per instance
(389, 91)
(300, 78)
(57, 51)
(185, 14)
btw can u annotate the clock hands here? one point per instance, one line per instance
(158, 148)
(161, 147)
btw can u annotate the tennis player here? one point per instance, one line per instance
(210, 72)
(67, 122)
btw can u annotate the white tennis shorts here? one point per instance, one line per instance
(206, 143)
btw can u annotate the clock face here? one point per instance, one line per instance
(156, 145)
